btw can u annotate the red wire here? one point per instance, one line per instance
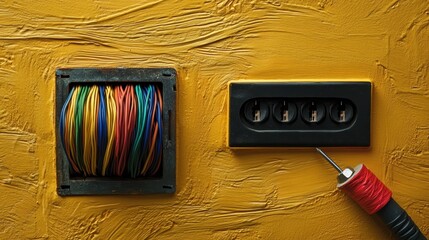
(130, 114)
(126, 106)
(369, 192)
(119, 143)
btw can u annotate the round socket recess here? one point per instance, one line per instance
(256, 111)
(342, 111)
(285, 112)
(313, 112)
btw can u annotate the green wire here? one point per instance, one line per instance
(145, 146)
(82, 95)
(135, 156)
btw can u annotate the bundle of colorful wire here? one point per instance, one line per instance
(113, 130)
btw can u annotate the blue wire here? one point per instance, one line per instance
(160, 124)
(102, 131)
(158, 151)
(63, 117)
(141, 156)
(146, 142)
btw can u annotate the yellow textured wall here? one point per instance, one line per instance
(221, 194)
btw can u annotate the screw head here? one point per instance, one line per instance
(346, 174)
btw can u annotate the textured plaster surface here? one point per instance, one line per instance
(221, 193)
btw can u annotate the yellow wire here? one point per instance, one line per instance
(111, 126)
(69, 132)
(90, 131)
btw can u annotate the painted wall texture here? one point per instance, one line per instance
(221, 194)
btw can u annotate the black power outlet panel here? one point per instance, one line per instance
(299, 114)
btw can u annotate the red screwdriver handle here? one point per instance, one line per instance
(374, 197)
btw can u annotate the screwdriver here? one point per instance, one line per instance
(375, 198)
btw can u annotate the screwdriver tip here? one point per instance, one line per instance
(329, 160)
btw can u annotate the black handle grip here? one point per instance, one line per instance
(398, 220)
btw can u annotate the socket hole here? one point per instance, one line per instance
(256, 111)
(285, 112)
(313, 112)
(342, 111)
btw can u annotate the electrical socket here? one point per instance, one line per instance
(299, 114)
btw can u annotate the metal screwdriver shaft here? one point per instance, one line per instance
(330, 160)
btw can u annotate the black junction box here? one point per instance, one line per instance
(79, 185)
